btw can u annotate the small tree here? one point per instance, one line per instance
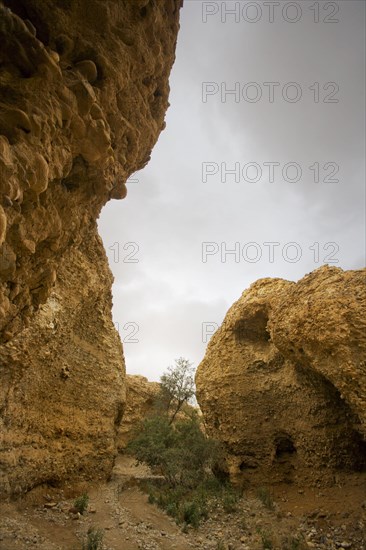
(177, 387)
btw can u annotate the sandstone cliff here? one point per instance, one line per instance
(282, 384)
(83, 94)
(140, 402)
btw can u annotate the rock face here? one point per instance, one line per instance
(83, 94)
(140, 400)
(282, 384)
(63, 381)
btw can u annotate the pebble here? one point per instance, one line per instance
(50, 504)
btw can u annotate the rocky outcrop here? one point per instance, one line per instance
(63, 381)
(282, 384)
(141, 397)
(83, 94)
(321, 324)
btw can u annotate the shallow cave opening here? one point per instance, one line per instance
(221, 473)
(360, 465)
(143, 12)
(354, 457)
(247, 465)
(253, 328)
(285, 447)
(342, 426)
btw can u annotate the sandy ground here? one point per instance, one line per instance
(329, 518)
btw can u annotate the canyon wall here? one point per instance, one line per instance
(83, 94)
(141, 395)
(282, 384)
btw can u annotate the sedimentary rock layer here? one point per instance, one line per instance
(282, 384)
(141, 395)
(83, 94)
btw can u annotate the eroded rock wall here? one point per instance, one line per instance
(83, 94)
(321, 324)
(282, 381)
(141, 397)
(63, 381)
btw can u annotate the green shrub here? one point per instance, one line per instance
(202, 503)
(185, 457)
(172, 509)
(191, 506)
(230, 501)
(186, 506)
(81, 503)
(212, 486)
(94, 539)
(191, 513)
(265, 497)
(181, 452)
(267, 543)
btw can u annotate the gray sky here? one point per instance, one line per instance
(298, 102)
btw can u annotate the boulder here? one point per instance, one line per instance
(282, 384)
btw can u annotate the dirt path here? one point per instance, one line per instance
(329, 519)
(118, 507)
(130, 522)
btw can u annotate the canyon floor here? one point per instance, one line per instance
(301, 518)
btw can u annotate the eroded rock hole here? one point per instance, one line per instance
(285, 447)
(246, 465)
(253, 328)
(355, 459)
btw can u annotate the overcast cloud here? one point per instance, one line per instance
(163, 289)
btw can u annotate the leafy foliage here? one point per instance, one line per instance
(189, 506)
(94, 539)
(265, 497)
(181, 452)
(81, 503)
(177, 447)
(267, 543)
(177, 387)
(230, 501)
